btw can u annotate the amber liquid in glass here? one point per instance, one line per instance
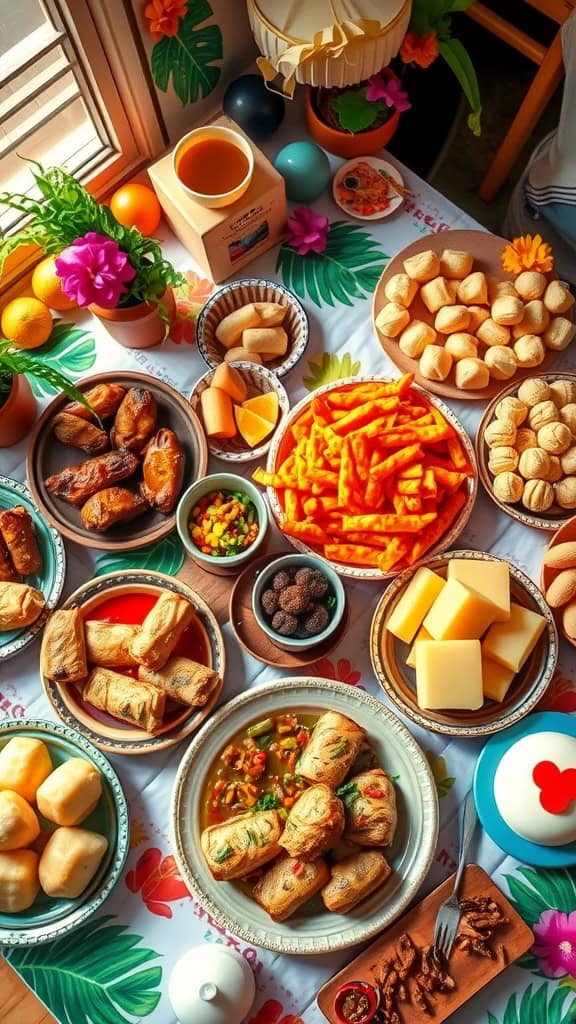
(212, 166)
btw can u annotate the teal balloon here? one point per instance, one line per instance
(305, 169)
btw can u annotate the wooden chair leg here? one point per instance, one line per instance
(543, 85)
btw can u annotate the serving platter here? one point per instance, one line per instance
(310, 931)
(50, 918)
(388, 655)
(107, 597)
(46, 456)
(49, 580)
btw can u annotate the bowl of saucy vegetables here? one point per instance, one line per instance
(222, 521)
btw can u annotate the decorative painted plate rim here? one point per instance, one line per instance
(60, 927)
(354, 571)
(377, 162)
(151, 744)
(58, 553)
(312, 692)
(419, 717)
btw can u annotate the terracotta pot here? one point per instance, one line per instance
(138, 326)
(346, 144)
(18, 412)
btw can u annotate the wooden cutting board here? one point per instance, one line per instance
(470, 972)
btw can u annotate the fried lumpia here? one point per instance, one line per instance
(288, 884)
(108, 643)
(183, 680)
(242, 844)
(161, 630)
(331, 749)
(17, 531)
(75, 484)
(80, 433)
(63, 652)
(20, 605)
(132, 701)
(135, 420)
(370, 807)
(353, 879)
(7, 570)
(314, 824)
(104, 400)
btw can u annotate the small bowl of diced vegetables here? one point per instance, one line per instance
(298, 601)
(222, 521)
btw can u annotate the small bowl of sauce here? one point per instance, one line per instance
(356, 1002)
(213, 165)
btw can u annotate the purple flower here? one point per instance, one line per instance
(391, 92)
(555, 945)
(307, 231)
(94, 269)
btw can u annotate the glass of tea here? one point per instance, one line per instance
(214, 165)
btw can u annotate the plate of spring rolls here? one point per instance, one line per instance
(133, 660)
(304, 816)
(111, 478)
(32, 568)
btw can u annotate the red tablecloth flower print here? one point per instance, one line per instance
(158, 880)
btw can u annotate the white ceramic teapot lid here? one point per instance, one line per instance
(211, 984)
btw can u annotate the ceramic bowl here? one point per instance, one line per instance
(226, 482)
(292, 643)
(239, 293)
(214, 201)
(389, 655)
(566, 533)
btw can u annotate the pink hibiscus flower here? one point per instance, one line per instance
(555, 945)
(307, 231)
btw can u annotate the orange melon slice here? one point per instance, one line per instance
(252, 427)
(265, 405)
(229, 380)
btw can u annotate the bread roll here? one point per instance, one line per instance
(558, 298)
(525, 438)
(533, 390)
(456, 263)
(529, 351)
(530, 284)
(415, 337)
(555, 472)
(508, 487)
(535, 320)
(401, 289)
(568, 461)
(499, 433)
(555, 438)
(461, 345)
(502, 459)
(19, 885)
(491, 333)
(473, 289)
(565, 492)
(477, 315)
(568, 416)
(562, 392)
(24, 764)
(559, 333)
(452, 318)
(70, 860)
(511, 408)
(20, 605)
(436, 294)
(271, 314)
(18, 824)
(423, 266)
(63, 652)
(507, 310)
(70, 793)
(534, 464)
(238, 354)
(501, 362)
(229, 330)
(498, 288)
(392, 319)
(538, 495)
(266, 341)
(472, 374)
(435, 363)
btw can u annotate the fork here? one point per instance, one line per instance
(448, 916)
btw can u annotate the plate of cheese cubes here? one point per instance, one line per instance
(465, 644)
(64, 831)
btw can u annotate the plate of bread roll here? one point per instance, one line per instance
(133, 660)
(445, 310)
(32, 568)
(64, 830)
(111, 479)
(253, 321)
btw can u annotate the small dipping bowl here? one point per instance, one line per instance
(216, 133)
(263, 582)
(221, 565)
(359, 991)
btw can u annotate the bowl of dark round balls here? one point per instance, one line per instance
(298, 601)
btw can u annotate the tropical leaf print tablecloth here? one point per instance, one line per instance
(114, 970)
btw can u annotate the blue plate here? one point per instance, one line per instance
(492, 821)
(49, 580)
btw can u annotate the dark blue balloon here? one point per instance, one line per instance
(258, 111)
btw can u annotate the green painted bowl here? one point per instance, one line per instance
(50, 918)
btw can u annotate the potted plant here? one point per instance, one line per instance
(358, 119)
(115, 271)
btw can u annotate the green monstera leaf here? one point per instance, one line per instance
(330, 368)
(92, 975)
(165, 555)
(533, 892)
(536, 1008)
(70, 350)
(188, 57)
(444, 782)
(348, 269)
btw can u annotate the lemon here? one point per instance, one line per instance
(26, 322)
(47, 286)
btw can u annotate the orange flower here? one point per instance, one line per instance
(420, 50)
(527, 253)
(164, 17)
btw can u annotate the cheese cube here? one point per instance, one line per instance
(459, 613)
(510, 643)
(495, 679)
(422, 634)
(491, 579)
(414, 604)
(449, 674)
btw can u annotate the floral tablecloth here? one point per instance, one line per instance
(115, 969)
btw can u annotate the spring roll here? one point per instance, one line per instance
(183, 680)
(7, 570)
(63, 652)
(370, 807)
(108, 643)
(20, 605)
(353, 879)
(17, 532)
(331, 749)
(314, 824)
(161, 630)
(132, 701)
(242, 844)
(288, 884)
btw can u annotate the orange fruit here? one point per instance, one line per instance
(26, 322)
(136, 206)
(47, 286)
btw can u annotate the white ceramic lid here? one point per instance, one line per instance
(211, 985)
(519, 798)
(301, 19)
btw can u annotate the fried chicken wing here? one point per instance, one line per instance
(111, 506)
(135, 420)
(104, 399)
(80, 433)
(163, 470)
(7, 571)
(75, 484)
(17, 532)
